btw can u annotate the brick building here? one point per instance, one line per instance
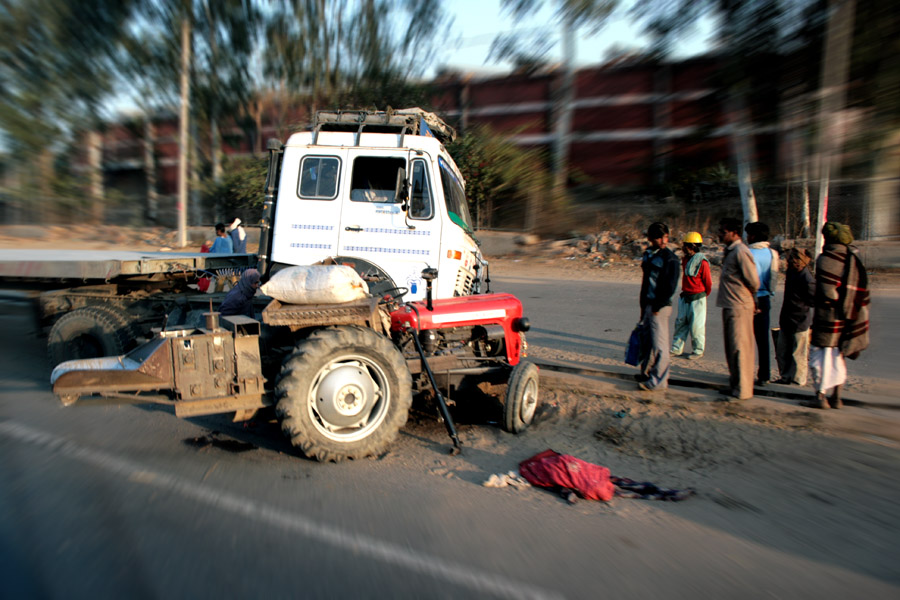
(632, 121)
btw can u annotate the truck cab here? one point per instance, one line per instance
(377, 191)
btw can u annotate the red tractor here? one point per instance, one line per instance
(347, 374)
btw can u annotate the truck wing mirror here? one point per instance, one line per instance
(401, 188)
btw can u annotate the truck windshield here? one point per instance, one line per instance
(454, 197)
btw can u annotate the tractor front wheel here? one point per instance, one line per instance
(344, 392)
(521, 397)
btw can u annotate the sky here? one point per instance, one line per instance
(477, 22)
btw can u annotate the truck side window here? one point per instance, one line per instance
(318, 177)
(454, 197)
(420, 204)
(374, 178)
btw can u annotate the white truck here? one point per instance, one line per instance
(377, 191)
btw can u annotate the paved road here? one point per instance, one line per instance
(108, 501)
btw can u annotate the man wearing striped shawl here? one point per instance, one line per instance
(840, 325)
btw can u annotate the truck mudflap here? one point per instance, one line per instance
(198, 371)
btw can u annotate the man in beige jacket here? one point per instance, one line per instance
(738, 284)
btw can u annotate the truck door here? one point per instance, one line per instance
(375, 228)
(309, 207)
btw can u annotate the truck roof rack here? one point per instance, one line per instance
(405, 121)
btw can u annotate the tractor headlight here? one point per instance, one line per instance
(521, 324)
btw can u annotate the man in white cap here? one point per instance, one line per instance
(238, 237)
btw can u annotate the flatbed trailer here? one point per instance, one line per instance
(93, 303)
(25, 268)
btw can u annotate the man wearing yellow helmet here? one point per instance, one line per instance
(696, 285)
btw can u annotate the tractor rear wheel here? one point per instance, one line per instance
(344, 392)
(521, 397)
(89, 332)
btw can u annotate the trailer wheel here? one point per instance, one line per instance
(521, 397)
(344, 392)
(88, 332)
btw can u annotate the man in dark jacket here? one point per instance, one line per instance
(660, 281)
(239, 301)
(791, 350)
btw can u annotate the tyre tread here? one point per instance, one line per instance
(518, 379)
(300, 366)
(118, 334)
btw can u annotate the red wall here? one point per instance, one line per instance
(624, 113)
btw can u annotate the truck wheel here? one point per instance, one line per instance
(88, 332)
(521, 397)
(344, 392)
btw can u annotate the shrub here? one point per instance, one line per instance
(507, 186)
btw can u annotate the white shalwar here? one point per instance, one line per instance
(827, 367)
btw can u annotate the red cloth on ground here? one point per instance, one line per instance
(552, 469)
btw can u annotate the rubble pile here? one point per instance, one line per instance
(607, 248)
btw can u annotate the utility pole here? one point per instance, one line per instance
(151, 211)
(838, 40)
(183, 127)
(564, 107)
(95, 156)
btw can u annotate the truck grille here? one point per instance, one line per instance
(465, 282)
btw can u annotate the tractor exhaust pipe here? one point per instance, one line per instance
(429, 275)
(276, 151)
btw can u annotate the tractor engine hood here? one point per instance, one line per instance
(467, 311)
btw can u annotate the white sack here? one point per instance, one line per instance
(316, 284)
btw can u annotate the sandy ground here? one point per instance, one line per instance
(814, 484)
(820, 484)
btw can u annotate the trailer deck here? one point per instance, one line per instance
(106, 265)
